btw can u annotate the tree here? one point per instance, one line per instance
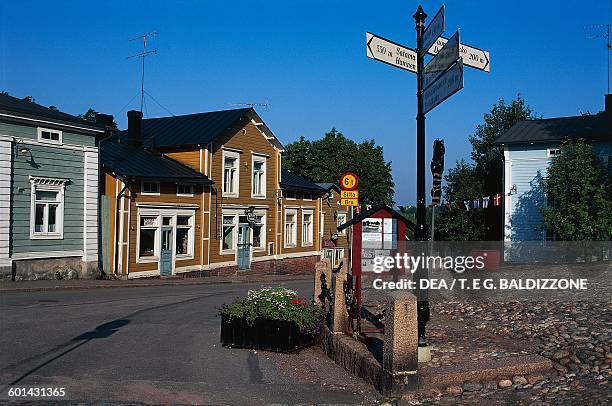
(30, 99)
(89, 115)
(3, 93)
(483, 177)
(325, 160)
(579, 195)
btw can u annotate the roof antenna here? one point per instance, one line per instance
(601, 31)
(143, 55)
(265, 104)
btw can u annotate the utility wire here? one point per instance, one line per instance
(158, 103)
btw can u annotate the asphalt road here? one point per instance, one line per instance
(155, 345)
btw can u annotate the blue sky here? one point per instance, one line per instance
(307, 58)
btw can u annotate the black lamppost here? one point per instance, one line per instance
(421, 231)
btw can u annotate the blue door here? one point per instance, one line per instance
(165, 260)
(243, 254)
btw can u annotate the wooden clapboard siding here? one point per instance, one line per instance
(299, 205)
(90, 198)
(167, 195)
(249, 141)
(330, 208)
(189, 156)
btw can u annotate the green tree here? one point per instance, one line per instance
(3, 93)
(483, 177)
(325, 160)
(89, 115)
(579, 195)
(30, 99)
(458, 223)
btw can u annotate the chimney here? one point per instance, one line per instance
(134, 127)
(608, 105)
(106, 120)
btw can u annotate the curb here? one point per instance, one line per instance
(149, 285)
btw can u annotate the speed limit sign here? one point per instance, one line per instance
(349, 181)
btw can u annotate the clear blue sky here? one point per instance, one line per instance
(307, 58)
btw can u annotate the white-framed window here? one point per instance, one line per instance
(231, 173)
(307, 227)
(550, 152)
(335, 256)
(229, 233)
(47, 208)
(259, 233)
(185, 190)
(50, 136)
(289, 195)
(341, 220)
(184, 236)
(150, 188)
(258, 181)
(148, 238)
(290, 228)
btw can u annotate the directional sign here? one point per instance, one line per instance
(443, 60)
(434, 29)
(390, 52)
(349, 202)
(443, 88)
(472, 57)
(349, 194)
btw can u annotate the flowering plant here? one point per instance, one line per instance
(276, 304)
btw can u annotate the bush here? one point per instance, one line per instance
(276, 304)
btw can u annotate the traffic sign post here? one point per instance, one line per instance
(436, 82)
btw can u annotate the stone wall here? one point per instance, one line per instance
(54, 269)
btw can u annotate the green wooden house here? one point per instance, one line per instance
(48, 192)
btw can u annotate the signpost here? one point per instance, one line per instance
(444, 78)
(434, 29)
(349, 181)
(443, 60)
(390, 52)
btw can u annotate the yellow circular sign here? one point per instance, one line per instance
(349, 181)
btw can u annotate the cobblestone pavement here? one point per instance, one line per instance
(575, 335)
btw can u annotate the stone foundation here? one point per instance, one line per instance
(286, 266)
(54, 269)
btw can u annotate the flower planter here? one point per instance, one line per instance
(263, 334)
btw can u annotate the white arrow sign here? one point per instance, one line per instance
(472, 57)
(434, 29)
(443, 60)
(389, 52)
(443, 88)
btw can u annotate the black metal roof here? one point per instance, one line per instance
(22, 108)
(199, 128)
(291, 181)
(328, 186)
(137, 163)
(590, 127)
(367, 213)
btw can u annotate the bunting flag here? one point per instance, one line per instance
(485, 202)
(467, 204)
(476, 203)
(497, 200)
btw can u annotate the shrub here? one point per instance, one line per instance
(276, 304)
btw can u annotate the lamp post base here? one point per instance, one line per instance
(424, 354)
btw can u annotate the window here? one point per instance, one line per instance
(290, 195)
(150, 188)
(147, 237)
(259, 233)
(50, 136)
(231, 164)
(184, 236)
(306, 228)
(307, 196)
(259, 177)
(184, 190)
(552, 152)
(290, 228)
(335, 256)
(47, 210)
(342, 220)
(229, 233)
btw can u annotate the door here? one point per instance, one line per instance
(165, 260)
(243, 253)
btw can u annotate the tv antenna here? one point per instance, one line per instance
(265, 105)
(597, 31)
(143, 55)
